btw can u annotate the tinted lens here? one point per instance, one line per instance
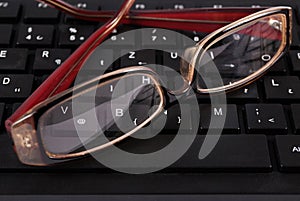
(245, 51)
(100, 115)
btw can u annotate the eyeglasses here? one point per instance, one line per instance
(243, 45)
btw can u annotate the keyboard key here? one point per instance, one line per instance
(288, 149)
(231, 122)
(282, 88)
(35, 35)
(295, 58)
(144, 5)
(15, 86)
(9, 11)
(158, 37)
(280, 67)
(39, 12)
(266, 118)
(49, 59)
(232, 153)
(119, 37)
(2, 105)
(246, 94)
(295, 109)
(13, 59)
(71, 36)
(82, 4)
(172, 59)
(138, 58)
(5, 34)
(175, 118)
(192, 37)
(100, 61)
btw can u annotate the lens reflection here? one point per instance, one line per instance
(118, 106)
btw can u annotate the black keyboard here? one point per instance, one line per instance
(255, 155)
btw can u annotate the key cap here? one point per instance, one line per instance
(82, 4)
(192, 37)
(120, 37)
(231, 122)
(288, 149)
(175, 119)
(172, 59)
(39, 12)
(71, 36)
(15, 85)
(100, 61)
(232, 153)
(265, 118)
(158, 37)
(295, 58)
(247, 94)
(107, 5)
(9, 11)
(35, 35)
(295, 109)
(143, 5)
(282, 88)
(280, 67)
(49, 59)
(5, 34)
(13, 59)
(2, 105)
(138, 58)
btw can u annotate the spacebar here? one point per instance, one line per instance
(232, 153)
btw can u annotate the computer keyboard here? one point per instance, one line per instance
(258, 153)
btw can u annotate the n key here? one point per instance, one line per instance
(15, 86)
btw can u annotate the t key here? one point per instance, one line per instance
(266, 117)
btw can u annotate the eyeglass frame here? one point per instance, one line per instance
(29, 117)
